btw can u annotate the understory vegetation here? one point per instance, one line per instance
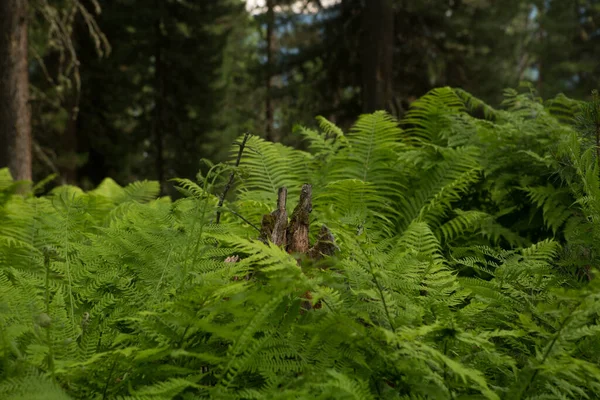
(467, 240)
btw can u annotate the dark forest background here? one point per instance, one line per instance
(145, 89)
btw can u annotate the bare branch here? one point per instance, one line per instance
(231, 176)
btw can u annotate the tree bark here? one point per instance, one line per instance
(274, 225)
(297, 231)
(294, 236)
(15, 114)
(377, 55)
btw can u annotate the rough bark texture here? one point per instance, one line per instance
(266, 228)
(298, 228)
(280, 223)
(15, 114)
(294, 236)
(274, 225)
(377, 55)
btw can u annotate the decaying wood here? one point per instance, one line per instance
(273, 227)
(325, 245)
(266, 228)
(280, 224)
(294, 236)
(297, 231)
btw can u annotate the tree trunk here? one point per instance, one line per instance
(15, 114)
(377, 56)
(269, 72)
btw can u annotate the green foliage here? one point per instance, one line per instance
(467, 253)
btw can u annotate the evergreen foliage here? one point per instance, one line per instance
(467, 238)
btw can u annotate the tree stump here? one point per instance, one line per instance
(294, 236)
(297, 230)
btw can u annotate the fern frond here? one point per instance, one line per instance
(553, 203)
(430, 117)
(268, 166)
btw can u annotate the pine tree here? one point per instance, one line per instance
(15, 114)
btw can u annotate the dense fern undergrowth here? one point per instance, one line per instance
(467, 244)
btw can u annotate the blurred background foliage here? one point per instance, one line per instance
(136, 89)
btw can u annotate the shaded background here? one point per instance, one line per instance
(136, 89)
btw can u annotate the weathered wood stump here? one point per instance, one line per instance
(297, 230)
(274, 225)
(294, 236)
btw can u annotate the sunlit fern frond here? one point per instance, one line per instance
(446, 174)
(354, 205)
(430, 117)
(264, 168)
(368, 161)
(326, 142)
(268, 166)
(140, 191)
(371, 155)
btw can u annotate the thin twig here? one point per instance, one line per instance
(243, 219)
(231, 176)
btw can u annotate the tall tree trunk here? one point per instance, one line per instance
(269, 71)
(377, 57)
(15, 114)
(160, 99)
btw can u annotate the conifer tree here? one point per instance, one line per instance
(15, 113)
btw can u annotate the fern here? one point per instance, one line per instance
(467, 245)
